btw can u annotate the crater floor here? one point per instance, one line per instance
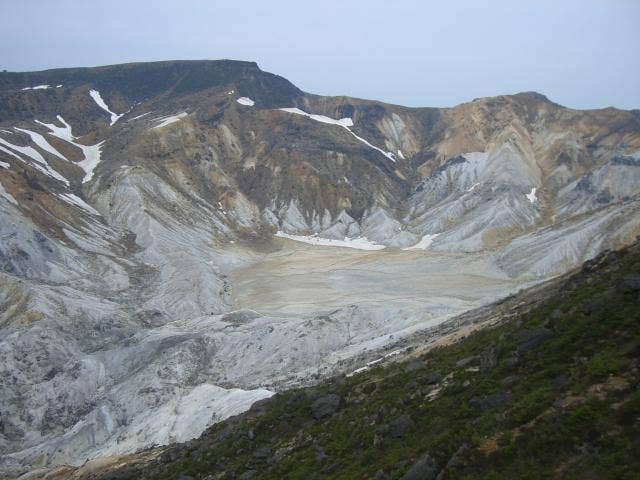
(303, 278)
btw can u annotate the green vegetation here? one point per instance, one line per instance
(550, 393)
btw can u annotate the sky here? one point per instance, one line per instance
(579, 53)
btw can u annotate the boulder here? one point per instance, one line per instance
(262, 404)
(486, 402)
(399, 426)
(509, 380)
(414, 365)
(320, 454)
(489, 357)
(629, 283)
(466, 361)
(511, 362)
(424, 469)
(262, 453)
(325, 406)
(532, 338)
(431, 378)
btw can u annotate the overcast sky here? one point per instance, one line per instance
(580, 53)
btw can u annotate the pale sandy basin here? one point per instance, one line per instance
(304, 278)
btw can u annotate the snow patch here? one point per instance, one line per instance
(400, 154)
(78, 202)
(101, 103)
(246, 101)
(389, 155)
(357, 371)
(532, 195)
(139, 116)
(91, 152)
(91, 159)
(345, 122)
(394, 353)
(424, 243)
(9, 152)
(40, 141)
(375, 362)
(63, 132)
(37, 87)
(170, 119)
(41, 164)
(472, 187)
(360, 243)
(4, 165)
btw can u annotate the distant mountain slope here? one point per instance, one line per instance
(181, 238)
(312, 176)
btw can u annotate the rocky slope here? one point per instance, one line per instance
(548, 389)
(180, 239)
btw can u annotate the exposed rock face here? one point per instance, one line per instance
(325, 406)
(424, 469)
(532, 338)
(144, 294)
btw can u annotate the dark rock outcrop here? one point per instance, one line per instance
(325, 406)
(423, 469)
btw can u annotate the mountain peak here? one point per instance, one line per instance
(532, 96)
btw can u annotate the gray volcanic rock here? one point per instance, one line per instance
(325, 406)
(425, 468)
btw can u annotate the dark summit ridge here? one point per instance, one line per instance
(136, 82)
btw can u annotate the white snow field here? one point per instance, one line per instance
(360, 243)
(103, 105)
(39, 87)
(345, 122)
(40, 141)
(40, 163)
(389, 155)
(138, 116)
(246, 101)
(9, 152)
(424, 242)
(91, 153)
(168, 120)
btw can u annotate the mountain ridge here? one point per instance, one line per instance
(18, 79)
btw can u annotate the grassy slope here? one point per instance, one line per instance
(569, 407)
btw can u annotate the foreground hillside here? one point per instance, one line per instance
(550, 391)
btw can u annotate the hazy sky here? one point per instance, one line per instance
(580, 53)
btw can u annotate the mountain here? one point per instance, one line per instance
(547, 388)
(181, 239)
